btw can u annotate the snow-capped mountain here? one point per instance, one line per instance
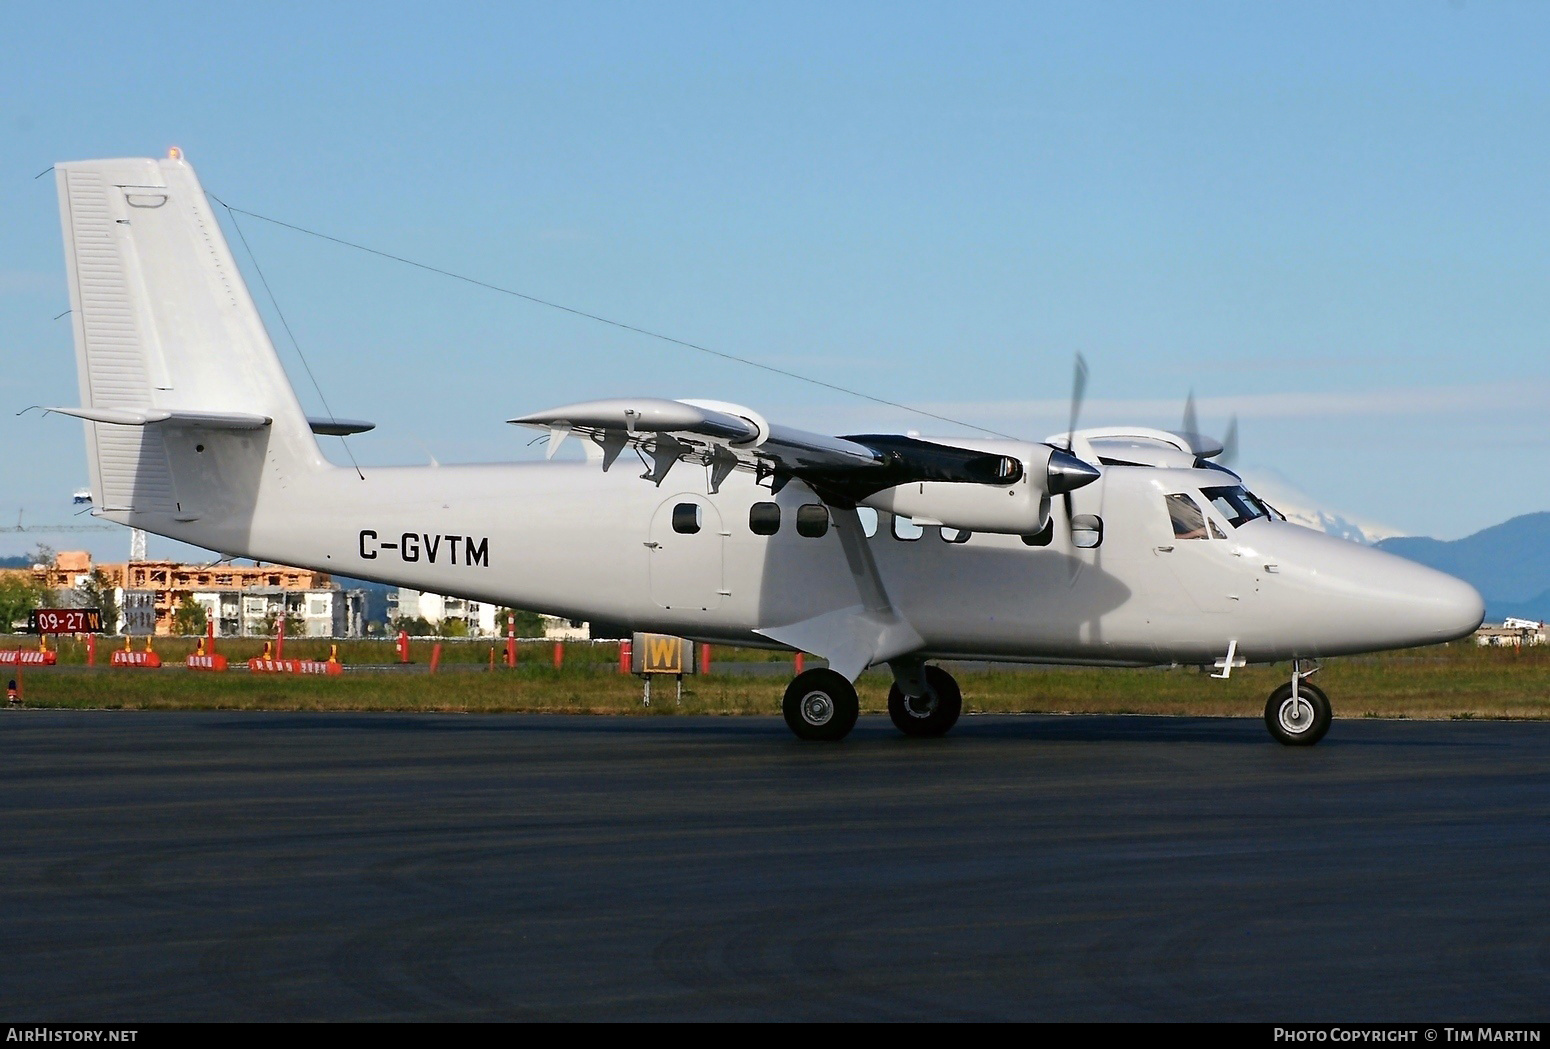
(1508, 563)
(1301, 508)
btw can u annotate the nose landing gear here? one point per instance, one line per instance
(1298, 714)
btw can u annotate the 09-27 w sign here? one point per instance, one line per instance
(64, 621)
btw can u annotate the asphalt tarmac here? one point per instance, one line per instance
(268, 866)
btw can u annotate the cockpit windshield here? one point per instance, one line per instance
(1236, 503)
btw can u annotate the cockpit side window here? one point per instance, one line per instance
(1188, 521)
(1236, 503)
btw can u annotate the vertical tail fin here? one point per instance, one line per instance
(169, 347)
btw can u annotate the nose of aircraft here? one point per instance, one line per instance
(1355, 598)
(1399, 604)
(1434, 606)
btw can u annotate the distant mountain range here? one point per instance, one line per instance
(1508, 563)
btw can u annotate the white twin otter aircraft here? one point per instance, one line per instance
(1123, 546)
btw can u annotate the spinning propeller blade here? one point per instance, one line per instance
(1230, 444)
(1073, 472)
(1078, 391)
(1225, 451)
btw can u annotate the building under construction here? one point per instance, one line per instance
(241, 600)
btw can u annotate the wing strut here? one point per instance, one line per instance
(858, 556)
(861, 635)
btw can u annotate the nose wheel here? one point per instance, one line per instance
(821, 705)
(1297, 713)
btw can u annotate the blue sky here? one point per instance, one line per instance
(1329, 219)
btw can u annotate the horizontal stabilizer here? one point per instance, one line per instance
(338, 427)
(166, 417)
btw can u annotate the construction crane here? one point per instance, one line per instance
(20, 527)
(83, 496)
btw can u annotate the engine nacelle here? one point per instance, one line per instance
(1019, 508)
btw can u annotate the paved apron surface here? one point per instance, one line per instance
(362, 866)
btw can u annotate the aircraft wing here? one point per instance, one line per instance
(841, 469)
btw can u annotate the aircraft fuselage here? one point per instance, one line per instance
(568, 539)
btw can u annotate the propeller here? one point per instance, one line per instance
(1230, 444)
(1066, 472)
(1191, 432)
(1078, 391)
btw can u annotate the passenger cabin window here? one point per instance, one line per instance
(686, 518)
(1043, 536)
(956, 535)
(1188, 521)
(906, 529)
(1086, 531)
(1236, 503)
(868, 520)
(764, 518)
(812, 520)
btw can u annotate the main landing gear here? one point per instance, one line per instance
(932, 710)
(821, 704)
(1298, 713)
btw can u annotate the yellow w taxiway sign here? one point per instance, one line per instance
(661, 654)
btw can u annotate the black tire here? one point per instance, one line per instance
(934, 713)
(1303, 726)
(821, 705)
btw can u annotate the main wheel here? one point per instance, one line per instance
(820, 704)
(1301, 722)
(929, 715)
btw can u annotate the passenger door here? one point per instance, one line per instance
(687, 552)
